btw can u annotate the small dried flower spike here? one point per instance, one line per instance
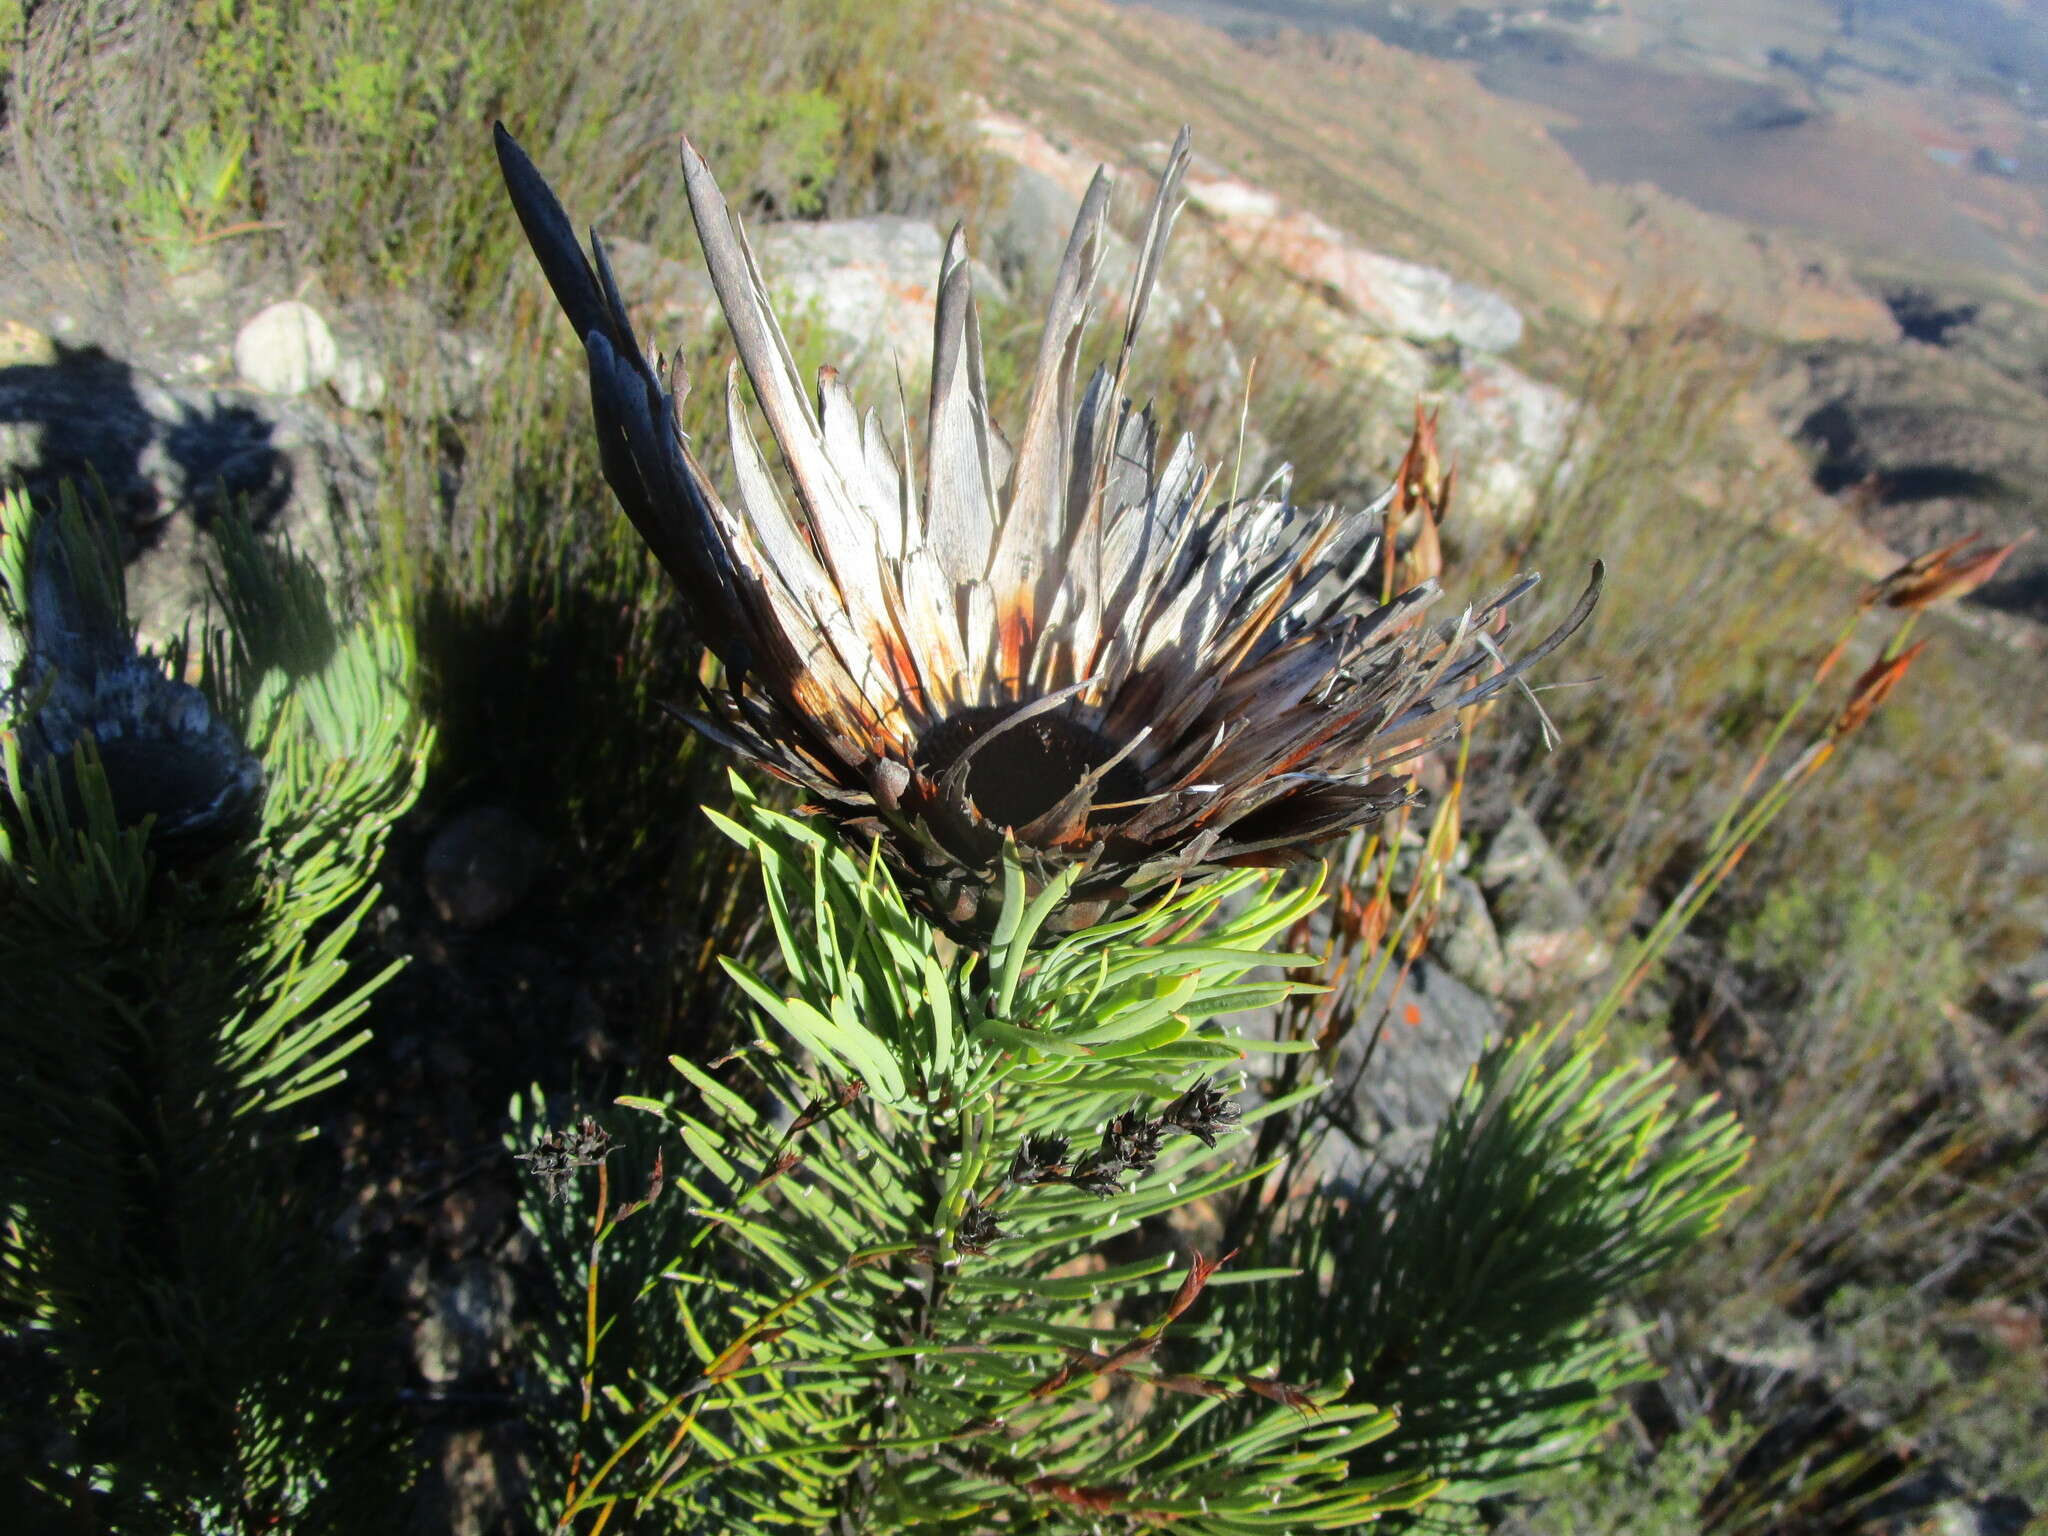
(551, 1166)
(1286, 1393)
(1099, 1175)
(590, 1143)
(1192, 1386)
(1040, 1160)
(1949, 571)
(1132, 1138)
(978, 1229)
(1873, 688)
(1199, 1271)
(557, 1155)
(1204, 1111)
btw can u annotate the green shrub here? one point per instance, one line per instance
(889, 1300)
(1620, 1492)
(1475, 1292)
(172, 1315)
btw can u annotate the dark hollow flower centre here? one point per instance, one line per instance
(1031, 767)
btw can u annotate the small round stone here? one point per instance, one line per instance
(358, 382)
(480, 866)
(285, 349)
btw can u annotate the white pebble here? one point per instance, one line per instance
(285, 349)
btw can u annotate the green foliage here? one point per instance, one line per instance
(1834, 937)
(1966, 1381)
(12, 19)
(800, 131)
(890, 1313)
(376, 107)
(1621, 1494)
(161, 1274)
(1473, 1292)
(355, 136)
(609, 1267)
(186, 198)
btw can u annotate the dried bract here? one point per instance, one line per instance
(1132, 1138)
(1098, 1175)
(1281, 1392)
(1199, 1271)
(1873, 688)
(1948, 571)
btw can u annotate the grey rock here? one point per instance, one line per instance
(164, 458)
(1425, 304)
(197, 289)
(1026, 234)
(1505, 431)
(1516, 852)
(21, 344)
(467, 1325)
(476, 1481)
(1400, 298)
(1545, 923)
(671, 301)
(1397, 1073)
(357, 382)
(872, 282)
(1466, 943)
(285, 349)
(480, 866)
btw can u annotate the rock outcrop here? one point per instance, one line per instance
(1509, 926)
(168, 455)
(871, 282)
(1389, 332)
(1385, 293)
(1546, 926)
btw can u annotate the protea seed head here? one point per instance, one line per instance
(1069, 647)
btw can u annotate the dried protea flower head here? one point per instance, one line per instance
(1066, 647)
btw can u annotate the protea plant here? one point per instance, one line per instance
(1070, 647)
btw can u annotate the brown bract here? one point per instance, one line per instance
(1948, 571)
(1064, 644)
(1873, 688)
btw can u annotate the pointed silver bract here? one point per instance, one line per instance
(1068, 646)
